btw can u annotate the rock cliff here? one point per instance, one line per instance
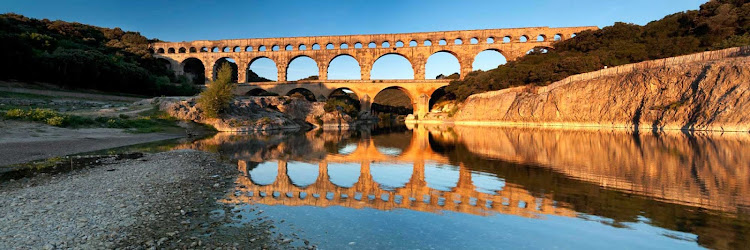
(688, 93)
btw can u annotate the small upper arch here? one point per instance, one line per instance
(170, 51)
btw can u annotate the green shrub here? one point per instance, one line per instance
(217, 97)
(347, 105)
(55, 121)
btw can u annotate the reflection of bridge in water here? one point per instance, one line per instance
(415, 195)
(366, 192)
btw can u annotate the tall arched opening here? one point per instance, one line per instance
(442, 65)
(194, 70)
(392, 66)
(302, 68)
(302, 93)
(344, 100)
(393, 100)
(262, 69)
(488, 59)
(225, 62)
(344, 67)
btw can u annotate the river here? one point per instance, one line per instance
(485, 188)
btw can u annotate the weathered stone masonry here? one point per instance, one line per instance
(366, 49)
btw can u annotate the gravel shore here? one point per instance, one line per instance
(162, 200)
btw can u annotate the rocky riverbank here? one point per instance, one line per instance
(252, 114)
(686, 93)
(163, 200)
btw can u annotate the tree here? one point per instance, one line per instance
(219, 94)
(718, 24)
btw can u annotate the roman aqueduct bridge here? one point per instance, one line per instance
(366, 50)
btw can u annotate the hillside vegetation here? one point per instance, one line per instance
(79, 56)
(718, 24)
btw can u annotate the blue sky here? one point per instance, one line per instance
(211, 20)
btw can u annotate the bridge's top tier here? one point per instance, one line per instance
(512, 35)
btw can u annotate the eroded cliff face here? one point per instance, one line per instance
(712, 95)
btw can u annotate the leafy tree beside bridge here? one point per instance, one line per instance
(718, 24)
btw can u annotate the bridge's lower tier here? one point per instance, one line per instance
(419, 91)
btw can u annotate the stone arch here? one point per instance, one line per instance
(226, 49)
(204, 49)
(165, 62)
(385, 44)
(372, 45)
(507, 39)
(160, 51)
(474, 40)
(225, 61)
(288, 47)
(458, 41)
(302, 47)
(215, 49)
(330, 46)
(490, 40)
(248, 48)
(262, 48)
(375, 64)
(344, 90)
(358, 45)
(170, 51)
(413, 43)
(194, 68)
(182, 50)
(250, 64)
(308, 94)
(383, 101)
(193, 50)
(523, 38)
(340, 57)
(237, 49)
(541, 38)
(483, 59)
(442, 42)
(343, 46)
(430, 71)
(558, 37)
(260, 92)
(301, 57)
(427, 42)
(275, 47)
(352, 98)
(316, 46)
(399, 44)
(435, 97)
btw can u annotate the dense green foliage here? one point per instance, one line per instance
(75, 55)
(216, 98)
(718, 24)
(346, 103)
(154, 122)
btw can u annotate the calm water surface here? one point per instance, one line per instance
(488, 188)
